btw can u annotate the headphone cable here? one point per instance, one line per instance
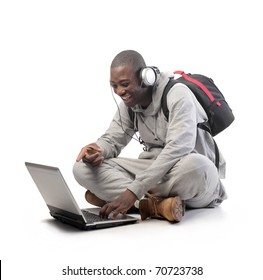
(138, 139)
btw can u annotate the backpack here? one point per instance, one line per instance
(219, 114)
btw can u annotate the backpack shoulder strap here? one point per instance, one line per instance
(167, 88)
(204, 126)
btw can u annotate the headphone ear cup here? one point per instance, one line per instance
(148, 77)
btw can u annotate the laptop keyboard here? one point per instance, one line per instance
(90, 217)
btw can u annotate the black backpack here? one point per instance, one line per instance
(220, 115)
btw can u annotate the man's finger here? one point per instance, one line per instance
(106, 210)
(84, 151)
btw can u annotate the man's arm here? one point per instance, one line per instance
(180, 138)
(112, 142)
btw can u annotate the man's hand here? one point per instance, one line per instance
(121, 205)
(91, 154)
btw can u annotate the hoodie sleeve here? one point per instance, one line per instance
(118, 135)
(184, 114)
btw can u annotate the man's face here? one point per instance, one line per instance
(125, 84)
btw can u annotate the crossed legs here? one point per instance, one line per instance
(194, 178)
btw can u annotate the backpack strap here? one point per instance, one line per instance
(205, 125)
(167, 88)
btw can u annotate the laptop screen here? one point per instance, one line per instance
(53, 187)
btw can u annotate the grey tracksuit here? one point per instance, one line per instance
(178, 158)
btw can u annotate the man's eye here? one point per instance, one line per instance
(125, 84)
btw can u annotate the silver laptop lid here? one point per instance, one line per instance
(53, 187)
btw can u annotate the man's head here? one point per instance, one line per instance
(126, 81)
(131, 58)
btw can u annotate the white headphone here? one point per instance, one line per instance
(149, 76)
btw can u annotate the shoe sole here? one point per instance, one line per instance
(178, 209)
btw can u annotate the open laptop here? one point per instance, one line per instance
(62, 204)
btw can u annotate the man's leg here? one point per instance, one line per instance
(108, 180)
(195, 179)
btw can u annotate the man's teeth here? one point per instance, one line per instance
(126, 96)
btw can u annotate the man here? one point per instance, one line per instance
(176, 168)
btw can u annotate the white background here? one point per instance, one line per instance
(55, 98)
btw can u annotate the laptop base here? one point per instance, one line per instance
(82, 226)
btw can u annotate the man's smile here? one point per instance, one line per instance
(126, 96)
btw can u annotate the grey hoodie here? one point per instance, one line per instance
(165, 141)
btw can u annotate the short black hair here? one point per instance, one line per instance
(129, 57)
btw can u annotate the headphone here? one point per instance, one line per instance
(149, 76)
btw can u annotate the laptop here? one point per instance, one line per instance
(63, 206)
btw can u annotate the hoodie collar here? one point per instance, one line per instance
(155, 105)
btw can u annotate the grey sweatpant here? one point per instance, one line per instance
(194, 178)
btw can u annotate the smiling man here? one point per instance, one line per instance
(125, 81)
(177, 167)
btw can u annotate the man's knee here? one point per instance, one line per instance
(80, 172)
(205, 175)
(193, 176)
(197, 163)
(76, 170)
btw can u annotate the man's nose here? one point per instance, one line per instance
(120, 91)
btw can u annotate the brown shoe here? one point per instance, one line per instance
(171, 208)
(93, 199)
